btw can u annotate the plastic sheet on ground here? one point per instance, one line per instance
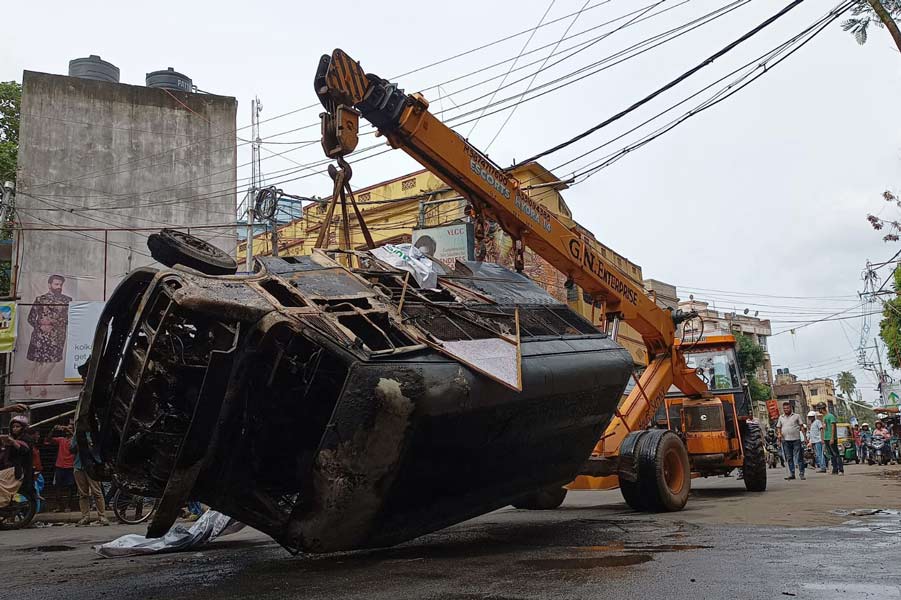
(407, 257)
(208, 527)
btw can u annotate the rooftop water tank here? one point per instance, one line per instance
(169, 79)
(93, 67)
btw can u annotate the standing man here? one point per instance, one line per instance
(63, 476)
(789, 428)
(830, 437)
(49, 319)
(87, 489)
(815, 440)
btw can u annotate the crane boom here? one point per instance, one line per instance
(346, 92)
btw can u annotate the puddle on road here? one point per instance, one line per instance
(622, 547)
(58, 548)
(601, 562)
(880, 520)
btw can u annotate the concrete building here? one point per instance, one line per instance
(805, 394)
(663, 293)
(99, 161)
(724, 323)
(401, 209)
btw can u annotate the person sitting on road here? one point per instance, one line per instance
(789, 428)
(15, 460)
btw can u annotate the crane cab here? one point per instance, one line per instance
(710, 427)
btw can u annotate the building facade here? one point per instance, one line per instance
(395, 210)
(101, 166)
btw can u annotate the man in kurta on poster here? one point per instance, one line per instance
(49, 319)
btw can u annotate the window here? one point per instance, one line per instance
(716, 368)
(408, 184)
(364, 197)
(761, 340)
(814, 391)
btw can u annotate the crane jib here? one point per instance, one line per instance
(595, 264)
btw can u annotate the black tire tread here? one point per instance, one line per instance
(168, 248)
(754, 463)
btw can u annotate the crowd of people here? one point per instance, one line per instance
(21, 467)
(819, 435)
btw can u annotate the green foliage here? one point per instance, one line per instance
(750, 355)
(863, 15)
(890, 325)
(759, 391)
(847, 383)
(10, 104)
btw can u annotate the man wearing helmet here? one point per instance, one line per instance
(15, 460)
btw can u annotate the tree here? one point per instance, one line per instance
(750, 358)
(10, 105)
(894, 226)
(847, 383)
(890, 325)
(881, 12)
(750, 355)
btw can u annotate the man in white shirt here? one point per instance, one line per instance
(815, 439)
(789, 428)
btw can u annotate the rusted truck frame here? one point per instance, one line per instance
(313, 403)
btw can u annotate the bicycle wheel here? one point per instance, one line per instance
(131, 509)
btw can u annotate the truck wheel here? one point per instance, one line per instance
(754, 464)
(546, 499)
(663, 469)
(171, 247)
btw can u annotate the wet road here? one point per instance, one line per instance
(797, 540)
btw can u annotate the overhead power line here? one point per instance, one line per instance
(709, 60)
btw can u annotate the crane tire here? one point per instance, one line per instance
(754, 462)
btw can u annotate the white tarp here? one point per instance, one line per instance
(208, 527)
(83, 317)
(408, 258)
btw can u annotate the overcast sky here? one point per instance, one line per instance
(763, 197)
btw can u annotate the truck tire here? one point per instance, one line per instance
(546, 499)
(664, 473)
(171, 247)
(754, 463)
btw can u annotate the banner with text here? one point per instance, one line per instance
(447, 243)
(83, 317)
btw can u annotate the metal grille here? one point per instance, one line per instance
(703, 418)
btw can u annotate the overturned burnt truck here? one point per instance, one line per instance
(336, 408)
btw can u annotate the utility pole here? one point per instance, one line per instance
(255, 109)
(881, 374)
(8, 189)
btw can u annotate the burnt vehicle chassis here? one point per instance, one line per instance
(312, 402)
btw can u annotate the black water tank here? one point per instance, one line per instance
(169, 79)
(93, 67)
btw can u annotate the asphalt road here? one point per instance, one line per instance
(799, 539)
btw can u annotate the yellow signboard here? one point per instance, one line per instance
(7, 326)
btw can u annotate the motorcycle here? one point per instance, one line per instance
(773, 456)
(19, 513)
(879, 451)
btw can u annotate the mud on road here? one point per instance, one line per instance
(800, 539)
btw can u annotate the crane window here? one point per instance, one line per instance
(716, 368)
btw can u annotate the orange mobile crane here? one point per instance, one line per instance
(652, 465)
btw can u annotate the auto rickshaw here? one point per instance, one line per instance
(845, 437)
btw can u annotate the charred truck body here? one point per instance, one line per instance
(336, 409)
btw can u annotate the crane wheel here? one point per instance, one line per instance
(663, 469)
(545, 499)
(754, 461)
